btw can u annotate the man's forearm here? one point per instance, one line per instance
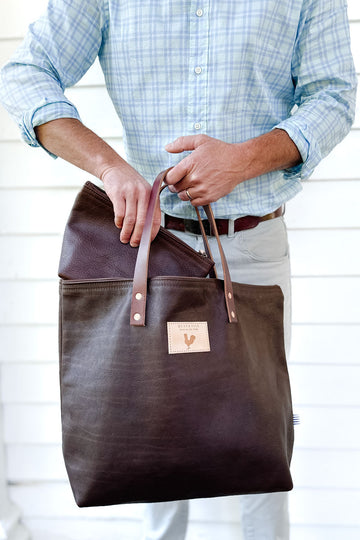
(269, 152)
(69, 139)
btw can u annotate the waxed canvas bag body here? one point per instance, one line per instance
(173, 387)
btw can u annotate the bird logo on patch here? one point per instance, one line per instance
(189, 340)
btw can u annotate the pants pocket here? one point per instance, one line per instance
(268, 242)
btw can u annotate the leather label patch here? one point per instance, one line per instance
(188, 337)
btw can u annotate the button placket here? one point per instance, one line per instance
(199, 28)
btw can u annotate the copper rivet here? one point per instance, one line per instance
(233, 315)
(230, 295)
(137, 316)
(138, 296)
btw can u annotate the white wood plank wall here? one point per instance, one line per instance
(324, 229)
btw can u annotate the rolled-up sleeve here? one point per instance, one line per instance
(325, 83)
(57, 51)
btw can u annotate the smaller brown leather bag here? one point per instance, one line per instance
(91, 246)
(172, 387)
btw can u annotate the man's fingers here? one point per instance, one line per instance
(138, 225)
(119, 212)
(184, 143)
(194, 198)
(129, 221)
(132, 219)
(185, 166)
(177, 173)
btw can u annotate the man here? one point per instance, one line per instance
(255, 92)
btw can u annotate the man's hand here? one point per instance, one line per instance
(214, 167)
(129, 192)
(211, 171)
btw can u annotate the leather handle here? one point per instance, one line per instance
(228, 288)
(139, 291)
(207, 249)
(138, 299)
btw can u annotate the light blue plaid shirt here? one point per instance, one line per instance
(232, 69)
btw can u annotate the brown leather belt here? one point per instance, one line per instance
(224, 226)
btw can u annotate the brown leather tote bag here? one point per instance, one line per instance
(173, 387)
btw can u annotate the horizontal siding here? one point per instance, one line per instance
(325, 252)
(326, 300)
(18, 15)
(327, 428)
(28, 343)
(355, 42)
(24, 257)
(55, 173)
(324, 235)
(327, 344)
(32, 424)
(339, 386)
(353, 10)
(328, 205)
(38, 301)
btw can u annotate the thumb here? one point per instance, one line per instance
(187, 142)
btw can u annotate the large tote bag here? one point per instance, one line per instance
(173, 387)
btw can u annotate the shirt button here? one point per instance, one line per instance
(199, 13)
(197, 125)
(198, 70)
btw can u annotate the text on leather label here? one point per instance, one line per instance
(188, 337)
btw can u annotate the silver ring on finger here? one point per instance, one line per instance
(188, 195)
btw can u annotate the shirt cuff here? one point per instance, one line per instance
(45, 112)
(309, 151)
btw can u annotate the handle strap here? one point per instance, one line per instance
(212, 273)
(139, 292)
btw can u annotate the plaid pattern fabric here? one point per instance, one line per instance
(232, 69)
